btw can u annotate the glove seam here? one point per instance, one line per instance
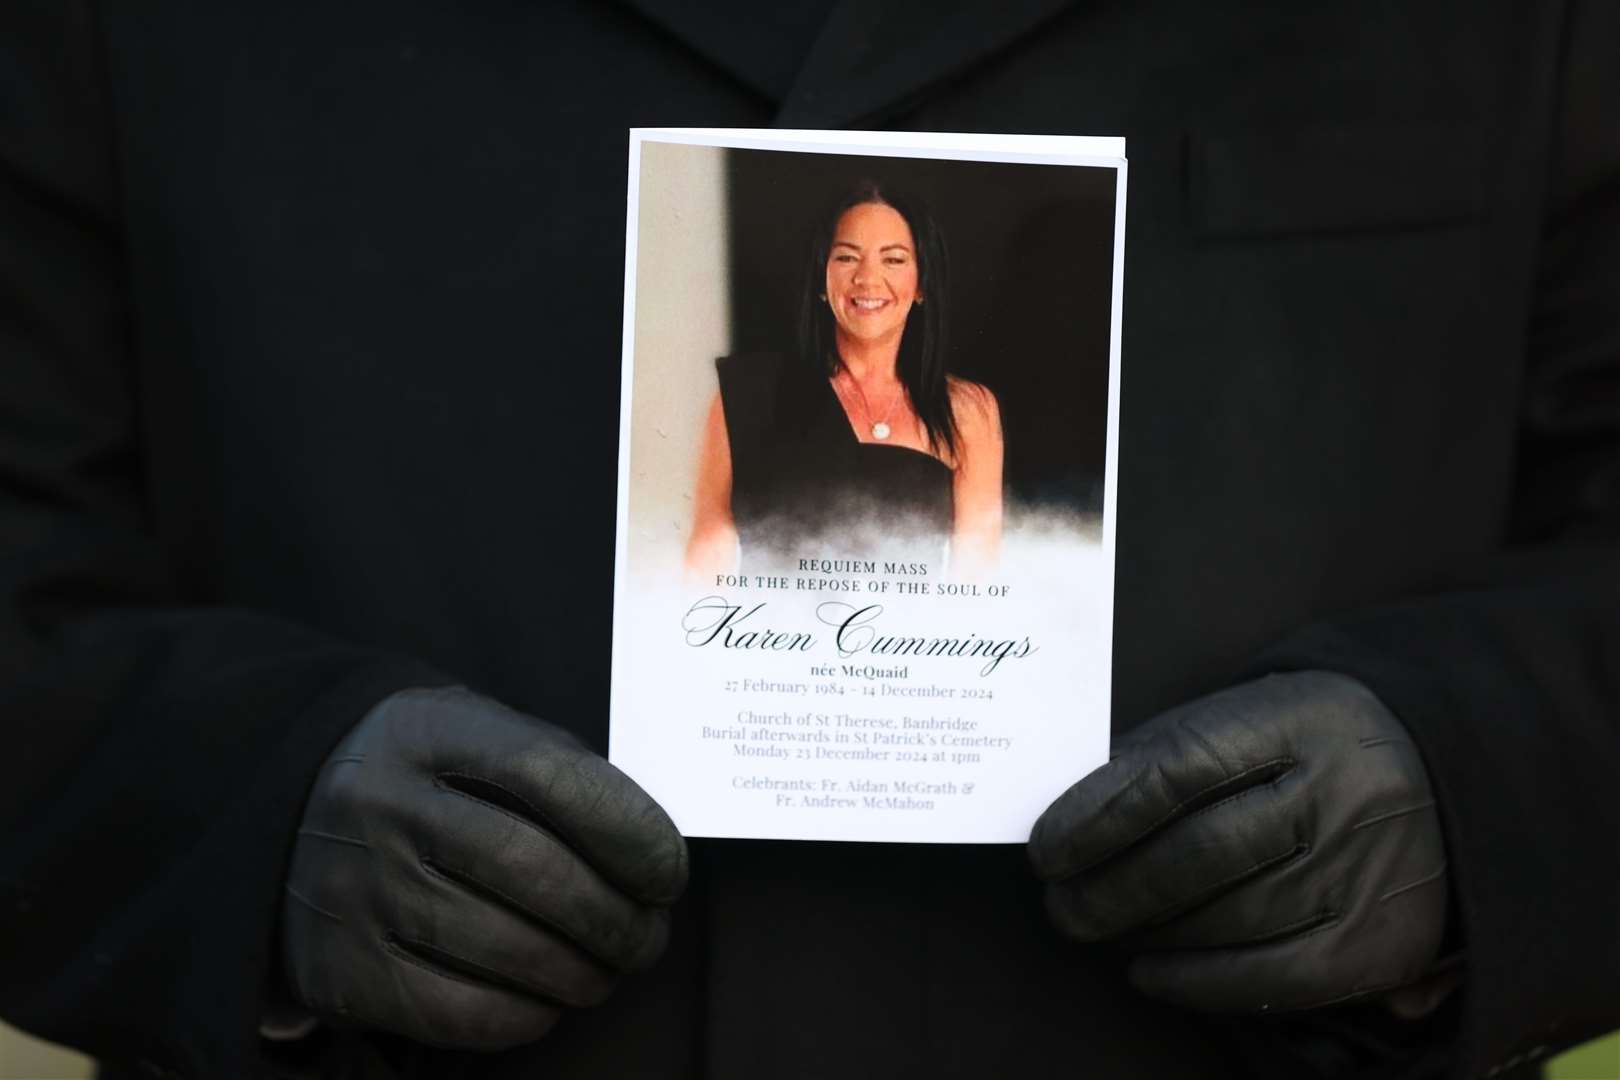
(394, 943)
(1173, 910)
(462, 879)
(1179, 811)
(1378, 819)
(1322, 920)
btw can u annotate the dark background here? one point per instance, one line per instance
(1031, 250)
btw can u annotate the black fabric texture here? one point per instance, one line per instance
(310, 323)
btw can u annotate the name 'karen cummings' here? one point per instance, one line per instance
(716, 621)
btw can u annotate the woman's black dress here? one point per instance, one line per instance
(803, 486)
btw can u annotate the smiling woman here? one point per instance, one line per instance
(862, 437)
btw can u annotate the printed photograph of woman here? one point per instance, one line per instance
(858, 438)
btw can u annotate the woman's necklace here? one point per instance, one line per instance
(880, 428)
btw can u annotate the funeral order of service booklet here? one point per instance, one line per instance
(867, 459)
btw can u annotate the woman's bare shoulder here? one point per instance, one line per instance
(973, 404)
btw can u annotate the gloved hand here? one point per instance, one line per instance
(463, 872)
(1273, 846)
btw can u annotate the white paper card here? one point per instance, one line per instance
(867, 462)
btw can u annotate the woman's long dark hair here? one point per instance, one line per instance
(921, 364)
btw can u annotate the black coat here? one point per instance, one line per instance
(309, 342)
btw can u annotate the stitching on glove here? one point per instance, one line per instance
(1284, 765)
(1188, 903)
(1234, 797)
(467, 881)
(539, 820)
(1391, 815)
(542, 823)
(403, 947)
(390, 943)
(1311, 924)
(312, 905)
(335, 838)
(1414, 884)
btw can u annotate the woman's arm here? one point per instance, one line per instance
(713, 546)
(976, 532)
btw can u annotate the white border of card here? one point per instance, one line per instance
(666, 720)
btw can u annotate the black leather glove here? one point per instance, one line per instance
(463, 872)
(1273, 846)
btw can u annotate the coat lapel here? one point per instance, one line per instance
(711, 32)
(871, 58)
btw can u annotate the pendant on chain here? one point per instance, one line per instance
(880, 430)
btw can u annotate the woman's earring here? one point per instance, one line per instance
(919, 298)
(823, 296)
